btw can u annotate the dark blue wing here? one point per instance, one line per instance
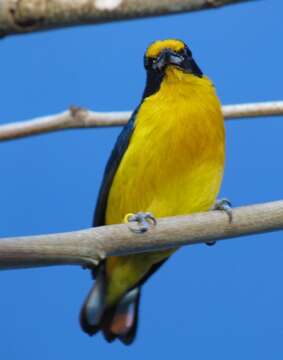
(111, 168)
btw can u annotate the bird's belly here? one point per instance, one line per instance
(194, 191)
(172, 184)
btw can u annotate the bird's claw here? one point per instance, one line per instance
(210, 243)
(226, 206)
(144, 221)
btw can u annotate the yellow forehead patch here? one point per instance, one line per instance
(156, 48)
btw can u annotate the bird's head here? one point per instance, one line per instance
(161, 54)
(167, 53)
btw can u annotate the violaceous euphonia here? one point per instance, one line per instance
(168, 160)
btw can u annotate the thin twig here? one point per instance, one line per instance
(22, 16)
(77, 117)
(87, 247)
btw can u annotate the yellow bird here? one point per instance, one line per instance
(168, 160)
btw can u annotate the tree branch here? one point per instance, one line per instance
(82, 118)
(22, 16)
(86, 247)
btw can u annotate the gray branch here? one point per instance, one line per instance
(87, 247)
(82, 118)
(22, 16)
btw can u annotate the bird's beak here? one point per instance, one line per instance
(185, 63)
(168, 57)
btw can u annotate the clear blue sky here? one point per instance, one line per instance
(219, 303)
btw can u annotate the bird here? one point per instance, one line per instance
(168, 160)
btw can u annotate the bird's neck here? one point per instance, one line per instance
(185, 84)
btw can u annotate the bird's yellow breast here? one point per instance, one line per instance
(173, 165)
(175, 158)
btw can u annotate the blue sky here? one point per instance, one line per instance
(221, 302)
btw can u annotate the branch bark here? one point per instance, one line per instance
(81, 118)
(22, 16)
(87, 247)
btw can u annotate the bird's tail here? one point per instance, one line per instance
(118, 321)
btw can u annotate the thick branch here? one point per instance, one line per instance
(82, 118)
(86, 247)
(21, 16)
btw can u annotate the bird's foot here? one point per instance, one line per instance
(144, 221)
(226, 206)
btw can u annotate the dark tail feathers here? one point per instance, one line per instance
(118, 321)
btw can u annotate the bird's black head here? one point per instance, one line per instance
(161, 54)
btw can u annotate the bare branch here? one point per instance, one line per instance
(22, 16)
(82, 118)
(73, 118)
(86, 247)
(268, 108)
